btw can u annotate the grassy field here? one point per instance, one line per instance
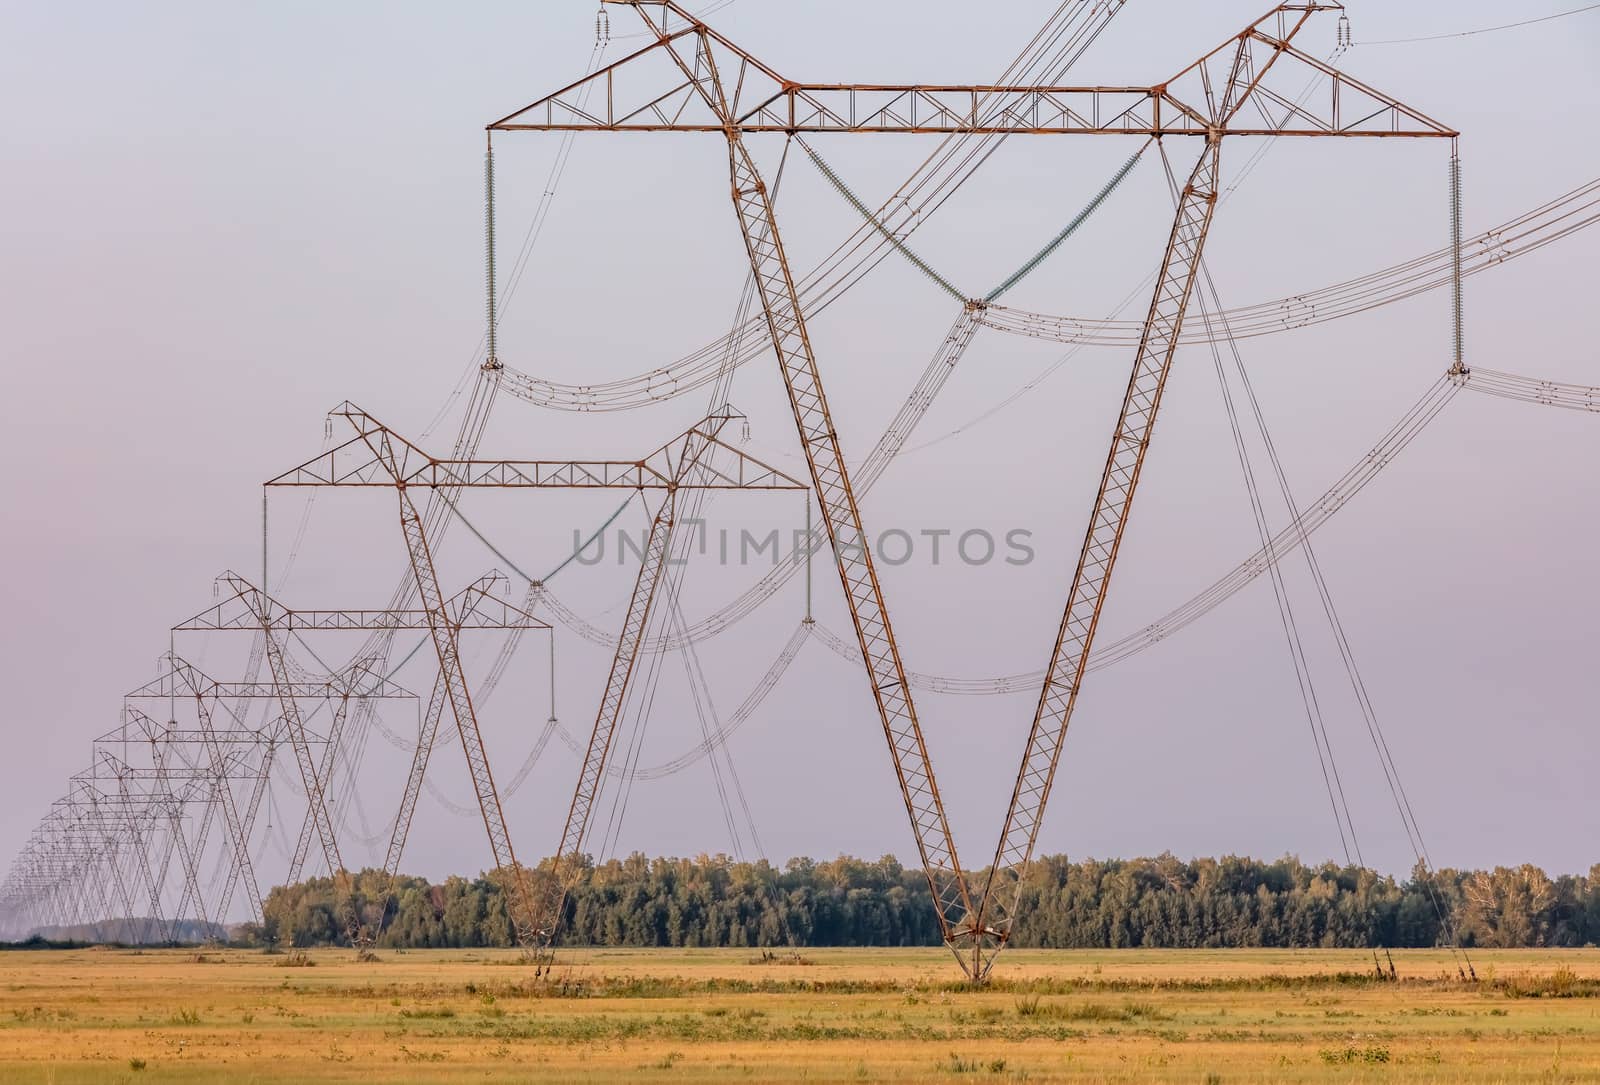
(107, 1015)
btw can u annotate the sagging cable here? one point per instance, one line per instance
(872, 220)
(512, 565)
(1071, 228)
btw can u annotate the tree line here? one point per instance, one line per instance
(1164, 902)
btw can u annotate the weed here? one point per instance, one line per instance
(136, 1065)
(1031, 1006)
(298, 959)
(420, 1056)
(1562, 983)
(1172, 1018)
(1373, 1055)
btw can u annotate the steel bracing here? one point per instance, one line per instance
(143, 814)
(480, 606)
(377, 456)
(693, 79)
(693, 470)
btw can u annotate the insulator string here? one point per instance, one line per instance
(492, 360)
(1458, 367)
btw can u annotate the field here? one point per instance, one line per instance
(112, 1015)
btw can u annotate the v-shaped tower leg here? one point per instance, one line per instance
(237, 834)
(177, 841)
(202, 836)
(830, 479)
(113, 853)
(302, 847)
(191, 873)
(413, 790)
(1064, 676)
(310, 778)
(553, 896)
(446, 643)
(258, 791)
(852, 549)
(136, 827)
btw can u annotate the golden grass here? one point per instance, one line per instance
(693, 1015)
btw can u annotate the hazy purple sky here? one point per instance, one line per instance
(219, 221)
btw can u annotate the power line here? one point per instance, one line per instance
(1485, 29)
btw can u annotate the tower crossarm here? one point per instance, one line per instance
(648, 91)
(182, 678)
(378, 457)
(474, 607)
(690, 461)
(1257, 83)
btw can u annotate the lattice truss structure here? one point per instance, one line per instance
(691, 79)
(161, 829)
(187, 771)
(158, 789)
(699, 459)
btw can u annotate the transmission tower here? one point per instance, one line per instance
(480, 606)
(379, 457)
(693, 79)
(220, 711)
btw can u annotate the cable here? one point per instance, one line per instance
(1330, 612)
(1311, 703)
(1388, 448)
(1551, 222)
(1071, 228)
(872, 220)
(950, 165)
(514, 567)
(917, 404)
(1546, 393)
(1486, 29)
(485, 386)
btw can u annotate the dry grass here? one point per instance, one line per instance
(450, 1016)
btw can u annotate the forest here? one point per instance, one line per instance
(1164, 902)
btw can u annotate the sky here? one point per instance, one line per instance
(221, 220)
